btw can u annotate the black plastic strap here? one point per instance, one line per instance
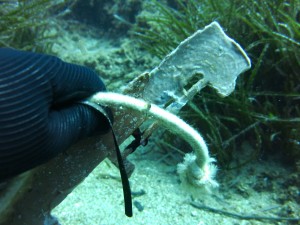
(124, 178)
(123, 173)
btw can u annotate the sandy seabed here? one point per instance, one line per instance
(257, 190)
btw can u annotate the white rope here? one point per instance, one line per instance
(197, 169)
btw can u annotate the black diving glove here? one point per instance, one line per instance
(39, 116)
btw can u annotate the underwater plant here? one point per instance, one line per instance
(26, 24)
(264, 109)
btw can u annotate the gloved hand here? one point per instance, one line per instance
(39, 113)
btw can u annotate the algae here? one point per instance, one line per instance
(26, 24)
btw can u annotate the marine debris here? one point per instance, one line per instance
(209, 52)
(164, 87)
